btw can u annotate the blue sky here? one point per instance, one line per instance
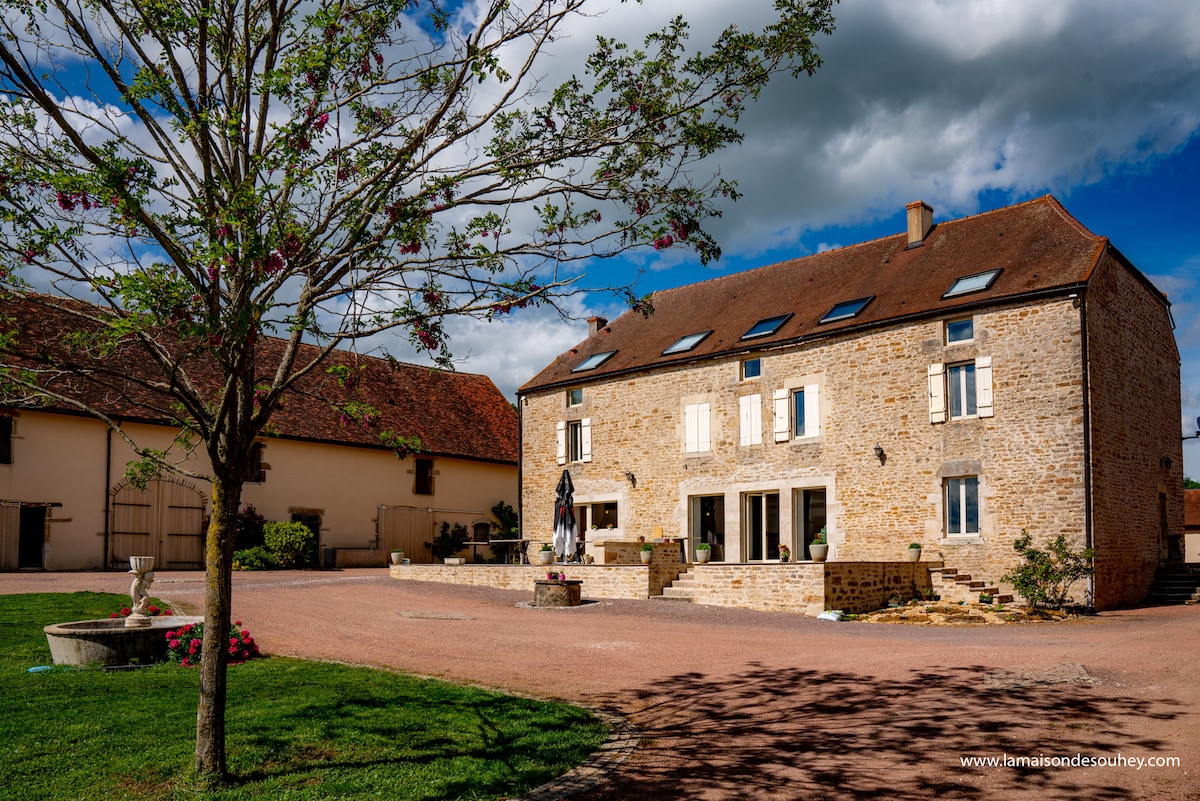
(969, 105)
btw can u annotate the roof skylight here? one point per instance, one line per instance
(972, 283)
(593, 361)
(766, 327)
(846, 310)
(684, 344)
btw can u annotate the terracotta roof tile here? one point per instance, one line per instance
(454, 414)
(1038, 246)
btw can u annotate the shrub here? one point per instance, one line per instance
(1044, 578)
(450, 541)
(183, 645)
(258, 558)
(249, 529)
(291, 544)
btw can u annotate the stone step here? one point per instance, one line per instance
(685, 599)
(672, 591)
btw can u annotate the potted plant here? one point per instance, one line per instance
(785, 552)
(647, 552)
(914, 552)
(397, 556)
(703, 553)
(546, 554)
(819, 547)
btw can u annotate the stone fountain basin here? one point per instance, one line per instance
(109, 642)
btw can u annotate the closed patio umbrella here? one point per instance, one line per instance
(565, 529)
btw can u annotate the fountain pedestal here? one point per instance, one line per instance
(142, 568)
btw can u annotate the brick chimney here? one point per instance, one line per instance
(595, 324)
(920, 220)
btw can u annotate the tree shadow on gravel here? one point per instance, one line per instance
(770, 733)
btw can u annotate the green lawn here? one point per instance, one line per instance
(296, 729)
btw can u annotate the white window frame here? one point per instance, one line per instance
(949, 323)
(786, 424)
(960, 376)
(697, 428)
(571, 402)
(742, 369)
(941, 384)
(750, 420)
(955, 493)
(568, 447)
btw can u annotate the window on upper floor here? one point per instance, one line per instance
(594, 361)
(696, 427)
(960, 330)
(575, 396)
(751, 368)
(767, 326)
(972, 283)
(423, 477)
(964, 390)
(684, 344)
(846, 310)
(962, 506)
(574, 440)
(6, 440)
(256, 472)
(750, 420)
(798, 413)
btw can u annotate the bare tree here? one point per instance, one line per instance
(209, 174)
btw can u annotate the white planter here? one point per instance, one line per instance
(819, 552)
(702, 557)
(455, 560)
(913, 554)
(646, 556)
(397, 557)
(545, 557)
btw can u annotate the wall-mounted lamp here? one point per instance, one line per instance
(630, 477)
(879, 454)
(1197, 434)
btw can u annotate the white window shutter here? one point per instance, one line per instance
(585, 435)
(812, 410)
(782, 417)
(937, 393)
(750, 408)
(691, 436)
(983, 387)
(703, 439)
(562, 441)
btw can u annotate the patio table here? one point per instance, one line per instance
(520, 543)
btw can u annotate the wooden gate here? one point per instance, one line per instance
(407, 528)
(165, 520)
(10, 534)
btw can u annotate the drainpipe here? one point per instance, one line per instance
(107, 495)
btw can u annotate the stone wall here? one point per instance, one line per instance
(1029, 456)
(1134, 411)
(599, 581)
(802, 587)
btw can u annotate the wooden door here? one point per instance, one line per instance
(407, 528)
(165, 520)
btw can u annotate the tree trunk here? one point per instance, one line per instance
(218, 600)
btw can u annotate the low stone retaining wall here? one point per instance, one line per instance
(807, 588)
(599, 581)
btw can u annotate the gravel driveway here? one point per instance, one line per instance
(733, 704)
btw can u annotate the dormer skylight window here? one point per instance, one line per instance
(684, 344)
(764, 328)
(972, 283)
(846, 310)
(594, 361)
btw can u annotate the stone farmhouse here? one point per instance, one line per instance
(951, 386)
(65, 504)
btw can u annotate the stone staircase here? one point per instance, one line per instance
(1175, 583)
(953, 586)
(681, 589)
